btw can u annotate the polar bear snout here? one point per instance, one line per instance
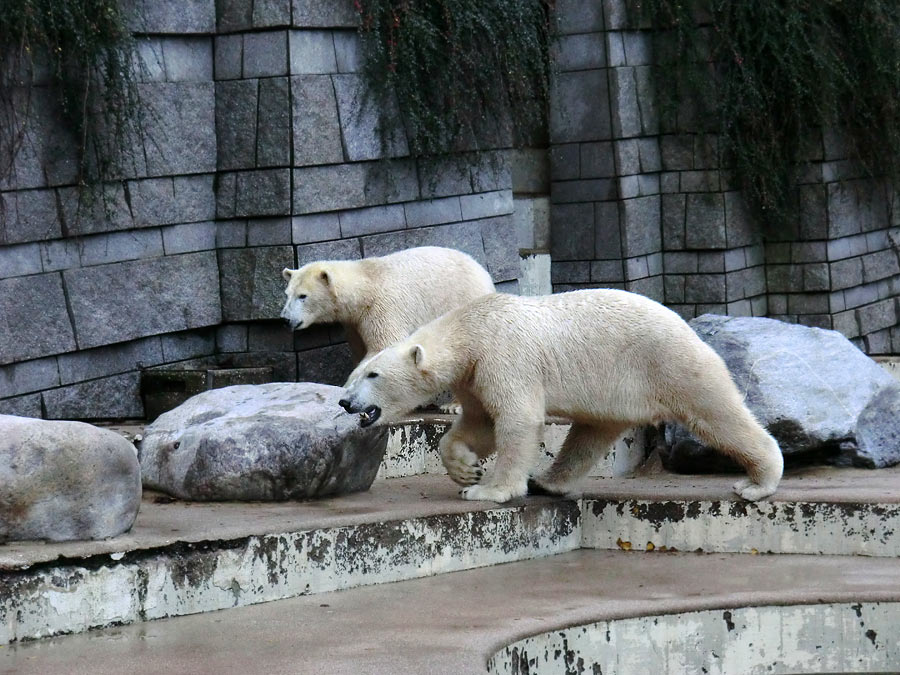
(368, 415)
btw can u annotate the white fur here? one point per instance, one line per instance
(382, 300)
(606, 359)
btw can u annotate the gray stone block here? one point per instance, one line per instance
(878, 240)
(648, 184)
(231, 338)
(315, 13)
(577, 16)
(808, 251)
(648, 151)
(808, 303)
(784, 278)
(615, 47)
(22, 406)
(341, 249)
(669, 182)
(677, 152)
(195, 198)
(572, 272)
(35, 321)
(325, 365)
(28, 215)
(61, 254)
(252, 285)
(705, 221)
(229, 57)
(880, 265)
(180, 115)
(315, 188)
(583, 51)
(173, 16)
(348, 51)
(266, 54)
(579, 107)
(237, 104)
(501, 250)
(226, 194)
(710, 261)
(597, 161)
(735, 259)
(740, 230)
(90, 364)
(650, 287)
(628, 159)
(860, 295)
(370, 128)
(615, 14)
(127, 300)
(28, 376)
(646, 92)
(188, 59)
(856, 206)
(270, 337)
(316, 227)
(268, 13)
(681, 262)
(445, 176)
(151, 66)
(389, 182)
(636, 268)
(268, 231)
(266, 192)
(778, 252)
(815, 277)
(745, 283)
(433, 212)
(606, 271)
(813, 211)
(486, 204)
(312, 52)
(317, 132)
(371, 220)
(17, 261)
(629, 187)
(623, 96)
(641, 225)
(846, 273)
(597, 189)
(700, 181)
(607, 234)
(490, 170)
(466, 237)
(113, 397)
(572, 232)
(637, 48)
(188, 345)
(673, 221)
(705, 288)
(565, 162)
(118, 246)
(153, 201)
(231, 234)
(273, 132)
(673, 288)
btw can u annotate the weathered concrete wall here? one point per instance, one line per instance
(800, 639)
(259, 154)
(643, 202)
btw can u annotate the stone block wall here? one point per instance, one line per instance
(260, 152)
(643, 202)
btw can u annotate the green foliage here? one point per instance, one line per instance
(771, 74)
(463, 71)
(83, 50)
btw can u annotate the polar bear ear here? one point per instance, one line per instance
(287, 274)
(323, 277)
(418, 355)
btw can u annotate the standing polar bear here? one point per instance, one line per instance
(380, 301)
(606, 359)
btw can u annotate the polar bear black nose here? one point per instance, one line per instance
(345, 404)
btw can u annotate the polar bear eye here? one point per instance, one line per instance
(372, 375)
(302, 297)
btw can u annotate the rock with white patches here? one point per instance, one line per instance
(65, 480)
(818, 395)
(261, 442)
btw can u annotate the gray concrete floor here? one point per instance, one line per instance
(453, 623)
(161, 523)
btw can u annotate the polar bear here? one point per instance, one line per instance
(380, 301)
(606, 359)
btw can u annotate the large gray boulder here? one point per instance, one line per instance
(65, 480)
(261, 442)
(818, 395)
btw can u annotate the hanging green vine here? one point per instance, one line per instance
(83, 51)
(463, 71)
(770, 74)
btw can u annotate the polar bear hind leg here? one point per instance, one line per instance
(584, 446)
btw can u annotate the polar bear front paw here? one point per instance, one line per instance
(488, 493)
(751, 491)
(462, 465)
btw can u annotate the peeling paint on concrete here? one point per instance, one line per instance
(829, 638)
(412, 449)
(743, 527)
(55, 599)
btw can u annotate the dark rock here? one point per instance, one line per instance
(264, 442)
(65, 480)
(252, 285)
(822, 399)
(35, 322)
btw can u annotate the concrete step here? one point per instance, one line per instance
(184, 558)
(585, 611)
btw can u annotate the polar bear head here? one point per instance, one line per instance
(390, 384)
(310, 296)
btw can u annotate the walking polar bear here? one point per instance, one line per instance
(606, 359)
(380, 301)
